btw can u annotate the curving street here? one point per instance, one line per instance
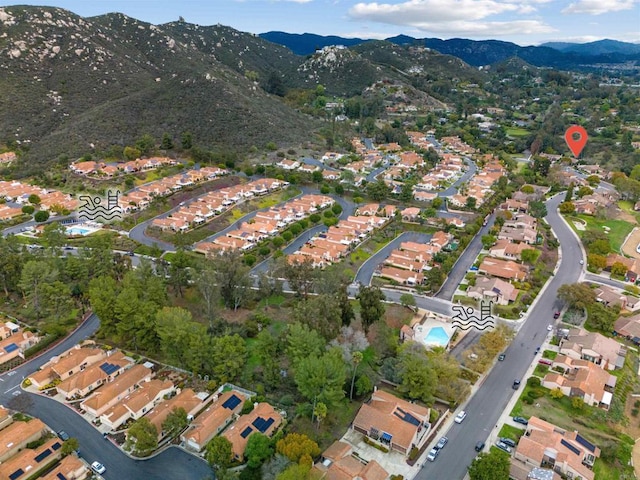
(485, 407)
(171, 463)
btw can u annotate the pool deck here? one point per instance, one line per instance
(421, 330)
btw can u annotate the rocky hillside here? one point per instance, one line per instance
(73, 85)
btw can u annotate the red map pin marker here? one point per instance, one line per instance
(576, 145)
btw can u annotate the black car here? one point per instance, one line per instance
(501, 357)
(508, 442)
(521, 420)
(479, 446)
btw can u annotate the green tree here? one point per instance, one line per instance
(619, 268)
(34, 199)
(418, 378)
(471, 203)
(488, 241)
(596, 262)
(28, 209)
(180, 271)
(320, 379)
(577, 295)
(142, 438)
(356, 359)
(407, 300)
(131, 153)
(371, 306)
(295, 472)
(296, 445)
(569, 195)
(567, 208)
(266, 349)
(530, 255)
(219, 452)
(175, 422)
(259, 449)
(378, 190)
(320, 411)
(490, 466)
(583, 191)
(11, 263)
(167, 142)
(70, 446)
(34, 278)
(186, 140)
(303, 342)
(537, 209)
(232, 278)
(145, 144)
(228, 357)
(41, 216)
(205, 281)
(301, 277)
(103, 292)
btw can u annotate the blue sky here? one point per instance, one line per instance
(525, 22)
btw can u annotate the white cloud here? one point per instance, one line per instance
(411, 11)
(598, 7)
(368, 35)
(453, 17)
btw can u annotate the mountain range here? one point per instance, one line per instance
(564, 56)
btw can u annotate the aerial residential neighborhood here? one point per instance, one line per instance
(276, 256)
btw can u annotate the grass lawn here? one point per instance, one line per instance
(619, 229)
(516, 132)
(508, 431)
(541, 370)
(359, 256)
(627, 206)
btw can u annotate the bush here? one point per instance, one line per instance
(287, 236)
(247, 407)
(264, 251)
(40, 346)
(533, 382)
(368, 441)
(413, 454)
(634, 412)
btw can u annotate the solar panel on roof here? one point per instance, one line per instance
(258, 423)
(12, 347)
(108, 368)
(43, 455)
(232, 402)
(245, 433)
(56, 445)
(570, 447)
(16, 474)
(585, 443)
(61, 476)
(267, 424)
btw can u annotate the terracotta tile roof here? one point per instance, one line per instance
(105, 395)
(240, 432)
(19, 432)
(387, 413)
(211, 422)
(70, 467)
(82, 380)
(186, 399)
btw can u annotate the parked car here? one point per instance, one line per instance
(433, 453)
(62, 435)
(537, 350)
(501, 357)
(503, 446)
(521, 420)
(508, 441)
(479, 446)
(98, 468)
(581, 262)
(460, 417)
(441, 443)
(557, 314)
(549, 327)
(516, 384)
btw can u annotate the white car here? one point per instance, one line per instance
(549, 328)
(460, 417)
(98, 468)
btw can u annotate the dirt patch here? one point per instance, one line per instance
(630, 246)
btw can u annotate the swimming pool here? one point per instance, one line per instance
(437, 336)
(78, 231)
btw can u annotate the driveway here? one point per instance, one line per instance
(171, 463)
(485, 407)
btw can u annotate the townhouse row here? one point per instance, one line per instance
(140, 197)
(109, 170)
(203, 209)
(479, 187)
(115, 390)
(19, 460)
(18, 192)
(14, 341)
(407, 264)
(266, 224)
(334, 244)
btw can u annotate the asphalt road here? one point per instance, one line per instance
(32, 223)
(171, 463)
(464, 262)
(453, 189)
(490, 400)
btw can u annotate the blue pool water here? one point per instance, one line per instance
(77, 231)
(437, 336)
